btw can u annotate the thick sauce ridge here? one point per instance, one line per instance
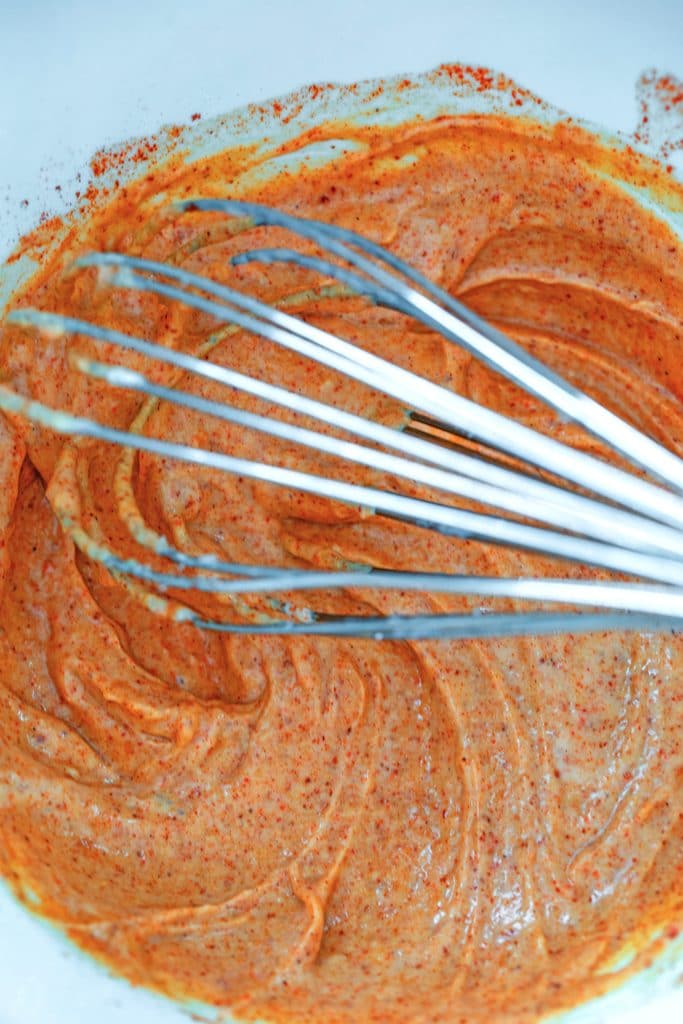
(317, 830)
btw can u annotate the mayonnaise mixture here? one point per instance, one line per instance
(333, 831)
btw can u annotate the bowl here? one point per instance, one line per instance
(46, 977)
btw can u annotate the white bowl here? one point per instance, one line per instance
(42, 976)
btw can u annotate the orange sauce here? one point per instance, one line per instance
(335, 831)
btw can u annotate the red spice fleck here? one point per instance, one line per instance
(660, 100)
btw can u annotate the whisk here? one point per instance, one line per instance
(601, 515)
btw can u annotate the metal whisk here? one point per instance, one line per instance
(615, 520)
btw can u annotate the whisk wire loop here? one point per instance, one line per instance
(637, 530)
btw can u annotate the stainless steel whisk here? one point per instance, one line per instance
(616, 520)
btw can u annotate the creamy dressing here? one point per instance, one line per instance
(317, 830)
